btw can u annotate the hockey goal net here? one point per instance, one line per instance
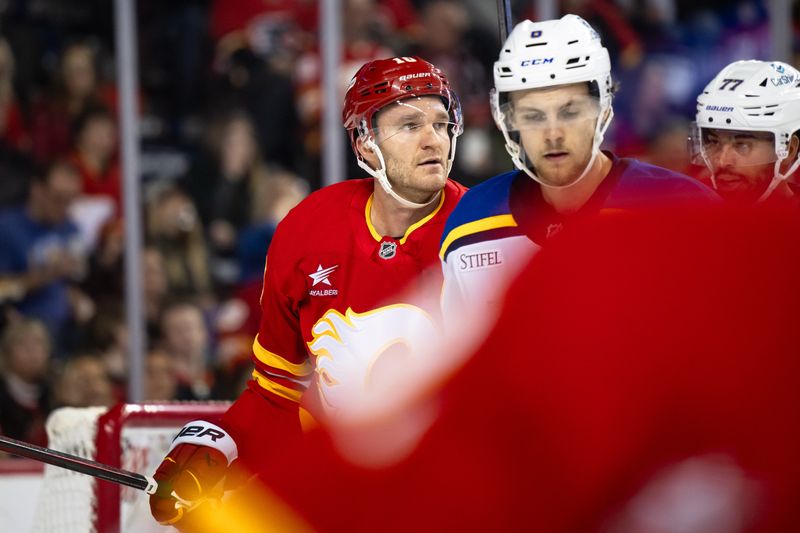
(134, 437)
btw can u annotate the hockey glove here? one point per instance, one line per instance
(190, 474)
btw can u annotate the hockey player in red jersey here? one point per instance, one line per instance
(642, 377)
(334, 264)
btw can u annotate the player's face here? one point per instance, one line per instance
(742, 162)
(414, 138)
(556, 127)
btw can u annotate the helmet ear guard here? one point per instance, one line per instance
(366, 142)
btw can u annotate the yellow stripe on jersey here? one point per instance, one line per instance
(276, 388)
(470, 228)
(367, 211)
(274, 360)
(414, 226)
(378, 237)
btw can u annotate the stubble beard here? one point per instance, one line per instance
(416, 184)
(563, 174)
(745, 189)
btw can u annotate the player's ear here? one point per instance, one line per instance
(794, 146)
(794, 152)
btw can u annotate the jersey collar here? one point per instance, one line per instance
(378, 237)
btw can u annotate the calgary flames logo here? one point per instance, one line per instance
(359, 353)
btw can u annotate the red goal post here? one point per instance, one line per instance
(134, 437)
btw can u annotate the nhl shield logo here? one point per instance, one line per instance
(387, 250)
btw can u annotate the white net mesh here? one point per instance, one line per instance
(135, 438)
(66, 502)
(143, 449)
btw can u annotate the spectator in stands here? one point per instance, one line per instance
(13, 130)
(107, 336)
(161, 382)
(75, 88)
(155, 286)
(175, 230)
(234, 24)
(25, 393)
(40, 254)
(105, 280)
(226, 183)
(186, 339)
(14, 135)
(83, 382)
(94, 153)
(273, 198)
(174, 82)
(247, 81)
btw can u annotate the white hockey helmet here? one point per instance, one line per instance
(761, 96)
(546, 54)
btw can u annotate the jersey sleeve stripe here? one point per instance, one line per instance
(274, 360)
(280, 376)
(470, 228)
(276, 388)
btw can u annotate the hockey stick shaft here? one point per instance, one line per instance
(78, 464)
(504, 19)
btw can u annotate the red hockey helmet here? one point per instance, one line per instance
(383, 81)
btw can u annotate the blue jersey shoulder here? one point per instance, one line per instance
(485, 200)
(642, 184)
(482, 213)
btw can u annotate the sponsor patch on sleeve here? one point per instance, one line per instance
(479, 260)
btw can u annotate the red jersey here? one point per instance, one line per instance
(643, 376)
(329, 308)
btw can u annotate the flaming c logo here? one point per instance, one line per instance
(356, 352)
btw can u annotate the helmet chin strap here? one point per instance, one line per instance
(380, 175)
(778, 178)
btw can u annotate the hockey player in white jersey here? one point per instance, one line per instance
(748, 132)
(552, 101)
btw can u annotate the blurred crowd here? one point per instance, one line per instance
(229, 104)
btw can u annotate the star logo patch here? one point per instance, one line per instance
(322, 274)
